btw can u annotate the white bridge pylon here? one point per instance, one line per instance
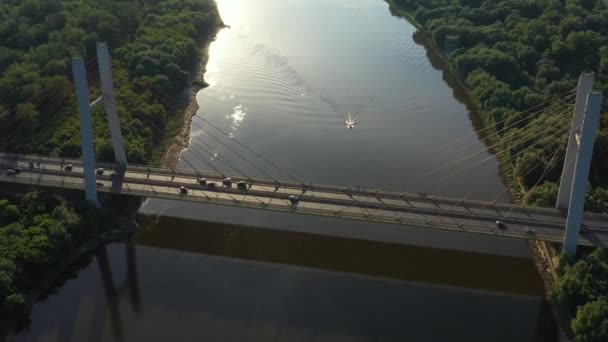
(86, 126)
(575, 174)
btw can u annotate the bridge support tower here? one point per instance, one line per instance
(86, 125)
(573, 185)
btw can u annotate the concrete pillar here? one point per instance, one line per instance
(107, 87)
(585, 85)
(86, 131)
(576, 206)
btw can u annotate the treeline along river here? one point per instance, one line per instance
(282, 80)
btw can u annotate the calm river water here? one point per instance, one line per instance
(283, 79)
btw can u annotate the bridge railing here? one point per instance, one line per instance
(251, 203)
(358, 191)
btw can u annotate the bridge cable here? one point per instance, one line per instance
(508, 160)
(250, 150)
(493, 146)
(498, 153)
(544, 173)
(558, 97)
(496, 134)
(218, 157)
(233, 151)
(529, 135)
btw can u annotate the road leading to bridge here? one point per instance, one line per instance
(405, 209)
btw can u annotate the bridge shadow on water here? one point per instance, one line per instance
(193, 281)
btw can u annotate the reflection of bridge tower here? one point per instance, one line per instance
(112, 291)
(86, 127)
(573, 185)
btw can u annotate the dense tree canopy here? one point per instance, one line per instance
(515, 54)
(582, 292)
(154, 45)
(36, 231)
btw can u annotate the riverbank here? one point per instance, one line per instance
(481, 122)
(546, 255)
(175, 139)
(177, 136)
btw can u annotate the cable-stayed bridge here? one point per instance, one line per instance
(557, 135)
(406, 209)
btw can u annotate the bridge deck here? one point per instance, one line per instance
(407, 209)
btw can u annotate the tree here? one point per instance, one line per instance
(16, 304)
(27, 116)
(9, 213)
(583, 282)
(591, 322)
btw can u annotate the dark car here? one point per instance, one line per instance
(68, 167)
(227, 182)
(183, 190)
(294, 200)
(241, 185)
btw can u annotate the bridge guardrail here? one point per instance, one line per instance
(314, 187)
(402, 221)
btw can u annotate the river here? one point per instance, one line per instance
(282, 80)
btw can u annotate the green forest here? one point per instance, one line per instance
(155, 45)
(581, 292)
(37, 231)
(513, 55)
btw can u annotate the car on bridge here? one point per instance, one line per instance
(211, 186)
(227, 182)
(99, 171)
(501, 225)
(294, 200)
(68, 167)
(202, 181)
(241, 185)
(10, 172)
(183, 190)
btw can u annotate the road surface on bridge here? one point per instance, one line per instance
(406, 209)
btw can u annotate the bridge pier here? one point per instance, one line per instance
(584, 149)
